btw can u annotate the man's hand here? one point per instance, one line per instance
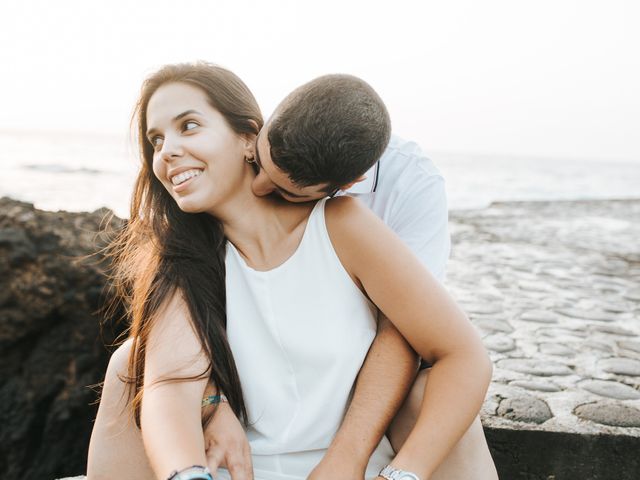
(337, 467)
(227, 445)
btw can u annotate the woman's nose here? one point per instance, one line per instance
(171, 148)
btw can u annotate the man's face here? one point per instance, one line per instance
(271, 179)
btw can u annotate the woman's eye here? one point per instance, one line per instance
(190, 125)
(156, 141)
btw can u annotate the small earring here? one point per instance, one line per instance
(250, 159)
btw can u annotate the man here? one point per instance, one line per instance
(331, 136)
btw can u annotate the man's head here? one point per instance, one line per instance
(323, 137)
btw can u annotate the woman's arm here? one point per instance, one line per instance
(428, 318)
(171, 411)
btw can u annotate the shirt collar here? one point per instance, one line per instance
(369, 184)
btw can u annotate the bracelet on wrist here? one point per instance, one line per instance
(214, 400)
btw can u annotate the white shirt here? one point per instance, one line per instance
(407, 192)
(299, 335)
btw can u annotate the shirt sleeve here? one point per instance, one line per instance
(421, 220)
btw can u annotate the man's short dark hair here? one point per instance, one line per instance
(330, 130)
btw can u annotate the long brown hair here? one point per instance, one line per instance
(163, 250)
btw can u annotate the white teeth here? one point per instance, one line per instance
(184, 176)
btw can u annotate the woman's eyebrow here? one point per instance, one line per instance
(176, 118)
(184, 114)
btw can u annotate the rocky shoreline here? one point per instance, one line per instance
(51, 343)
(553, 287)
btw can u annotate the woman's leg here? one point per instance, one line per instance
(116, 449)
(470, 458)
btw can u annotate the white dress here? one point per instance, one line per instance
(299, 335)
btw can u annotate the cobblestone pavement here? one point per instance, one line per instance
(554, 289)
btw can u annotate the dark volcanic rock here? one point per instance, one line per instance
(525, 409)
(50, 340)
(609, 414)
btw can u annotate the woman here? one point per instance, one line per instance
(296, 319)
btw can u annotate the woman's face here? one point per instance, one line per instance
(197, 156)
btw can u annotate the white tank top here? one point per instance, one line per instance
(299, 335)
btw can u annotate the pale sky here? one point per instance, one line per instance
(553, 78)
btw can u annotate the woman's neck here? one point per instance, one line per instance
(265, 230)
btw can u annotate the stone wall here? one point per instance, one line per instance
(554, 289)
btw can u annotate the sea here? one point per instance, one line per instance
(84, 172)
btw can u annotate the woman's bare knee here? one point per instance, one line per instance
(115, 390)
(469, 459)
(407, 415)
(116, 449)
(119, 361)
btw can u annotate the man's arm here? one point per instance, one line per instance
(421, 221)
(384, 380)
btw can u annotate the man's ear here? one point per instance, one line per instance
(346, 187)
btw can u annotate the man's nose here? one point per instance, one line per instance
(262, 184)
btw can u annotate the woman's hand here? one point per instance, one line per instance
(226, 444)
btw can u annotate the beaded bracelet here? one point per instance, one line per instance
(214, 400)
(196, 472)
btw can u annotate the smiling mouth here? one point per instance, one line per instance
(184, 176)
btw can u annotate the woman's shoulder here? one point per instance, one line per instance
(347, 212)
(354, 229)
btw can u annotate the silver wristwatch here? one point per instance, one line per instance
(391, 473)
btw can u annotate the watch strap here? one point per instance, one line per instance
(392, 473)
